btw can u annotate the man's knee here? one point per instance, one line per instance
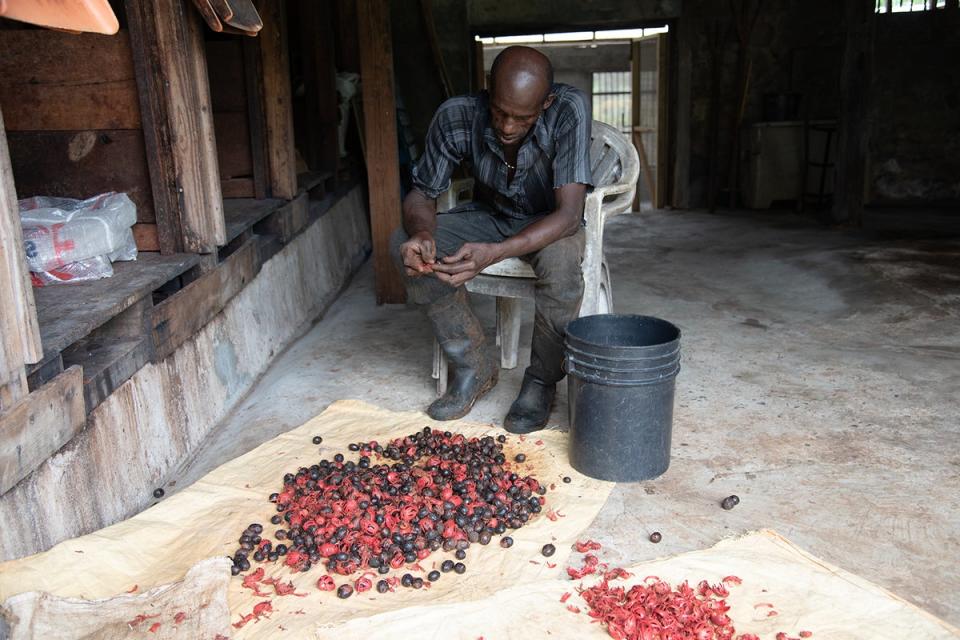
(560, 263)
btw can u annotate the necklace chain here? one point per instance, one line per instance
(510, 166)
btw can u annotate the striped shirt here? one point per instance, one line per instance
(555, 152)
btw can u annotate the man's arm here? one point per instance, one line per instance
(474, 257)
(420, 222)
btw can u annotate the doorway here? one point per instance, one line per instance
(624, 74)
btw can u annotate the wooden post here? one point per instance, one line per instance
(281, 151)
(316, 44)
(174, 89)
(380, 125)
(19, 332)
(479, 71)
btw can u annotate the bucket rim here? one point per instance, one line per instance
(623, 316)
(672, 354)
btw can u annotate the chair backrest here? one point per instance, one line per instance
(612, 158)
(615, 168)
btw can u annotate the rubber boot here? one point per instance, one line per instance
(531, 410)
(472, 372)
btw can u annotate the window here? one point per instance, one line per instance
(612, 100)
(898, 6)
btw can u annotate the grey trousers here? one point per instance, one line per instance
(558, 290)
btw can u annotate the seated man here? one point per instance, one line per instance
(528, 145)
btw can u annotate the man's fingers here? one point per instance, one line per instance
(462, 254)
(458, 267)
(428, 251)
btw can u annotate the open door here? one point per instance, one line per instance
(650, 73)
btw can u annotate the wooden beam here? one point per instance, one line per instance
(168, 52)
(278, 106)
(183, 314)
(253, 84)
(38, 425)
(320, 74)
(380, 126)
(348, 48)
(19, 330)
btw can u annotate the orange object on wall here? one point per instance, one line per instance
(78, 15)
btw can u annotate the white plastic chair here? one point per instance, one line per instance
(615, 168)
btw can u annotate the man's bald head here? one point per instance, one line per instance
(522, 71)
(520, 83)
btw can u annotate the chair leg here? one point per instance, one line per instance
(605, 297)
(439, 368)
(508, 330)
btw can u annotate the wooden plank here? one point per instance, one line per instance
(70, 312)
(19, 330)
(81, 164)
(51, 80)
(348, 45)
(113, 352)
(257, 119)
(242, 213)
(174, 92)
(236, 188)
(233, 145)
(275, 58)
(184, 313)
(225, 65)
(38, 425)
(145, 235)
(288, 221)
(380, 125)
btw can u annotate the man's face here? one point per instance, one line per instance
(513, 114)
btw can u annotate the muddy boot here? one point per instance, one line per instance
(472, 371)
(531, 410)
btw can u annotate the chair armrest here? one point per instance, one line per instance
(460, 191)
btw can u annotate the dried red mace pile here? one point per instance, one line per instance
(653, 610)
(434, 489)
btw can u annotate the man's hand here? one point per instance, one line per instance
(419, 254)
(465, 264)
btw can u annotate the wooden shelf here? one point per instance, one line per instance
(70, 312)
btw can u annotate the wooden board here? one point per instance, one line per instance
(225, 65)
(19, 331)
(168, 54)
(663, 120)
(81, 164)
(253, 81)
(181, 315)
(145, 235)
(67, 313)
(321, 101)
(38, 425)
(275, 58)
(51, 81)
(242, 213)
(233, 145)
(287, 221)
(380, 126)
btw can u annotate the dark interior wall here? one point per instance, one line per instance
(915, 114)
(794, 48)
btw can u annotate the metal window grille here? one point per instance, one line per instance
(899, 6)
(612, 100)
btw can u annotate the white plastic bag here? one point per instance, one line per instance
(61, 231)
(80, 271)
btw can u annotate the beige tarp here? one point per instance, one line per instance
(504, 594)
(159, 545)
(806, 593)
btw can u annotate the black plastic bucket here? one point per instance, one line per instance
(621, 371)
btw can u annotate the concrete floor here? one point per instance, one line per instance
(820, 383)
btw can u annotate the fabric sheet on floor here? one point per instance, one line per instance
(161, 544)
